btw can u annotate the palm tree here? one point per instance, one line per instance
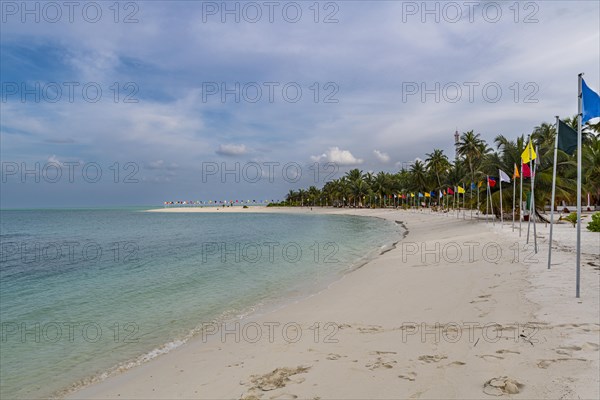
(590, 159)
(419, 177)
(380, 185)
(438, 164)
(473, 149)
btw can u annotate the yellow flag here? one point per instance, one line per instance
(528, 153)
(427, 195)
(479, 184)
(412, 195)
(461, 190)
(516, 173)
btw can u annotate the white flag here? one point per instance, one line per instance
(503, 176)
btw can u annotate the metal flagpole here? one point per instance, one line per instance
(501, 213)
(457, 201)
(521, 200)
(471, 200)
(531, 193)
(492, 207)
(514, 198)
(579, 111)
(487, 201)
(553, 194)
(464, 204)
(478, 190)
(535, 164)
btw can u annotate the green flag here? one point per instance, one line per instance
(567, 138)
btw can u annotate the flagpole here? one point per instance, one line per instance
(457, 201)
(478, 190)
(487, 199)
(492, 205)
(553, 195)
(521, 201)
(464, 204)
(535, 163)
(531, 193)
(501, 213)
(471, 200)
(579, 111)
(514, 198)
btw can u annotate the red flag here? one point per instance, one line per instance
(526, 171)
(491, 182)
(450, 191)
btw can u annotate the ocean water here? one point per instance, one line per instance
(84, 293)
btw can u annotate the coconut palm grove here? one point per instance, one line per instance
(434, 181)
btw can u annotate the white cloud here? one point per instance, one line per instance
(232, 149)
(338, 156)
(381, 156)
(161, 164)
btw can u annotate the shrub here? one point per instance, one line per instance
(572, 218)
(594, 224)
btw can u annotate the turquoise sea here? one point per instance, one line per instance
(84, 293)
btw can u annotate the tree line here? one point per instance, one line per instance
(476, 159)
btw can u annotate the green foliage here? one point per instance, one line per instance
(594, 224)
(572, 218)
(473, 162)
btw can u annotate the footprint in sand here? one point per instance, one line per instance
(567, 350)
(432, 359)
(457, 363)
(544, 364)
(501, 386)
(334, 357)
(490, 356)
(278, 378)
(589, 346)
(381, 363)
(370, 329)
(504, 351)
(411, 376)
(284, 396)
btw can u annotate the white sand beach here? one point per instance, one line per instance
(459, 309)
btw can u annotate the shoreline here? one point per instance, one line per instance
(250, 312)
(369, 355)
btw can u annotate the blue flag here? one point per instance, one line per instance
(591, 103)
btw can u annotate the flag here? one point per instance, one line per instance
(526, 171)
(591, 103)
(450, 191)
(516, 173)
(503, 176)
(441, 194)
(567, 138)
(444, 192)
(420, 194)
(412, 195)
(473, 186)
(461, 190)
(479, 184)
(527, 152)
(432, 194)
(427, 194)
(491, 181)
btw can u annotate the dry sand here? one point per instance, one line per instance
(459, 309)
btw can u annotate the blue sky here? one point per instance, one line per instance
(357, 77)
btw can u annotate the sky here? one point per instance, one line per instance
(153, 101)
